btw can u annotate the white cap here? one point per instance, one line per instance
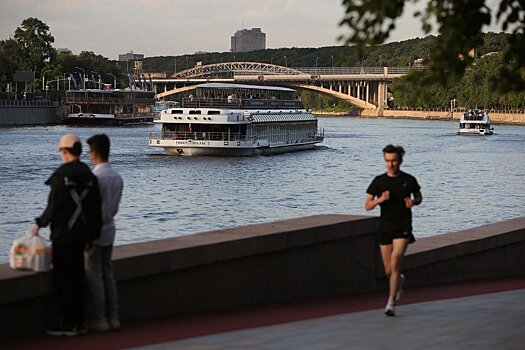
(68, 141)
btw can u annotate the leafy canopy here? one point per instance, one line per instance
(459, 24)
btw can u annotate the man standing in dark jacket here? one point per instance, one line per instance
(74, 212)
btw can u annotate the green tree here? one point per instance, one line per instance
(34, 44)
(459, 24)
(92, 64)
(8, 64)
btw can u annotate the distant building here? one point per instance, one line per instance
(130, 56)
(248, 40)
(68, 51)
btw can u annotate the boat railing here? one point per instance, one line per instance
(250, 103)
(197, 136)
(134, 115)
(108, 100)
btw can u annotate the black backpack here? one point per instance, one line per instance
(86, 197)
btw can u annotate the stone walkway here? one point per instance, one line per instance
(470, 315)
(489, 321)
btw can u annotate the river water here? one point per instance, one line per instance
(466, 181)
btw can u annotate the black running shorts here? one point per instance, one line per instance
(387, 237)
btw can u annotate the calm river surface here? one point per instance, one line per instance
(466, 181)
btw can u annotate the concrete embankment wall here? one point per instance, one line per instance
(495, 117)
(21, 112)
(276, 262)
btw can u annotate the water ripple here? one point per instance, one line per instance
(466, 181)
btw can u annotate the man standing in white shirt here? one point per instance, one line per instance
(103, 297)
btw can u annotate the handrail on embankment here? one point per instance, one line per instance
(276, 262)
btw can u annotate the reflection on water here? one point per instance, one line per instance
(466, 180)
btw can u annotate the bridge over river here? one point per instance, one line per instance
(363, 87)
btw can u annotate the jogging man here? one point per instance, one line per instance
(396, 192)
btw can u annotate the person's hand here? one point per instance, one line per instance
(34, 230)
(409, 203)
(384, 196)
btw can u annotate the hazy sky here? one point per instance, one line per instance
(175, 27)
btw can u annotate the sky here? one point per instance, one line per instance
(178, 27)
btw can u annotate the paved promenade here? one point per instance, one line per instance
(473, 315)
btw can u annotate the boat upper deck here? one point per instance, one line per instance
(474, 115)
(236, 103)
(240, 96)
(109, 97)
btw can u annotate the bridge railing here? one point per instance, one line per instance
(355, 70)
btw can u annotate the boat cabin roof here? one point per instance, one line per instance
(242, 86)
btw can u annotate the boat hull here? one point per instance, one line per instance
(475, 132)
(98, 121)
(235, 151)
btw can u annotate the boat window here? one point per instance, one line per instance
(176, 111)
(214, 112)
(195, 112)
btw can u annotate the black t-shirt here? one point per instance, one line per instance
(395, 216)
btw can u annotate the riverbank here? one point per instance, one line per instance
(30, 112)
(505, 118)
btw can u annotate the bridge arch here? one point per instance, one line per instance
(354, 101)
(217, 69)
(362, 87)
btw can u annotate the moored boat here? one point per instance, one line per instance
(475, 122)
(94, 107)
(237, 120)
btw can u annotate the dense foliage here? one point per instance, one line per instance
(474, 89)
(402, 53)
(30, 49)
(459, 24)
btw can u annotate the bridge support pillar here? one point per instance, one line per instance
(381, 97)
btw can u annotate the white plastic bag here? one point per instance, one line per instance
(30, 253)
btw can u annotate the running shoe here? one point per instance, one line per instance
(390, 310)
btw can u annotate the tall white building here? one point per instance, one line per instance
(248, 40)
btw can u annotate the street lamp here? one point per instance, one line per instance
(286, 60)
(44, 77)
(332, 61)
(83, 77)
(316, 64)
(99, 81)
(115, 80)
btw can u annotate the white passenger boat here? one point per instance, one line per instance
(237, 120)
(475, 122)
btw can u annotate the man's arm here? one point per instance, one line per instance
(418, 198)
(371, 203)
(410, 202)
